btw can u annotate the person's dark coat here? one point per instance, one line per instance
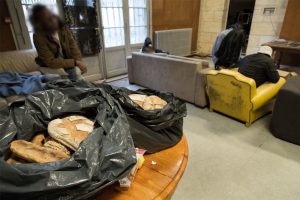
(48, 49)
(260, 67)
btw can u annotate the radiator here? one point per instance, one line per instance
(176, 41)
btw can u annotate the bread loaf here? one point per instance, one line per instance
(38, 139)
(35, 153)
(15, 160)
(148, 102)
(70, 131)
(52, 144)
(138, 99)
(156, 102)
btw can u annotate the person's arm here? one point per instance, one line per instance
(272, 73)
(75, 52)
(47, 57)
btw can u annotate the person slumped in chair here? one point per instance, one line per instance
(55, 44)
(259, 66)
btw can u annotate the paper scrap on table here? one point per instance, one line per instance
(127, 181)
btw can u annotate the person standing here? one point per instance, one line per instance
(54, 43)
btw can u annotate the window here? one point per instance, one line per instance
(113, 12)
(113, 22)
(26, 6)
(138, 21)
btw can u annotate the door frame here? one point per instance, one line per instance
(127, 46)
(20, 30)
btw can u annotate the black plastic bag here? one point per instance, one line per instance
(106, 156)
(153, 130)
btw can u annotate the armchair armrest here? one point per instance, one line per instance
(266, 92)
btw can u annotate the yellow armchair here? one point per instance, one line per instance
(236, 95)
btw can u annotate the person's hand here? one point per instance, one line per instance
(81, 66)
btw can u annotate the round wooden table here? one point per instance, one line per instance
(153, 181)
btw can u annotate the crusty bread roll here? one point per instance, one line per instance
(38, 139)
(70, 131)
(15, 160)
(35, 153)
(52, 144)
(156, 102)
(138, 99)
(148, 102)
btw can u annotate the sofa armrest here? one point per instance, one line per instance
(130, 69)
(3, 103)
(201, 98)
(59, 71)
(266, 92)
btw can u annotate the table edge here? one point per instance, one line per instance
(170, 188)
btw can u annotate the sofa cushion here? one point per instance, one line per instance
(3, 103)
(14, 98)
(35, 73)
(18, 61)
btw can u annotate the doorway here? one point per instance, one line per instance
(241, 11)
(125, 25)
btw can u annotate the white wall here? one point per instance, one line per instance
(212, 19)
(264, 27)
(213, 15)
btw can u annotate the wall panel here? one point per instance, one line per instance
(6, 38)
(291, 25)
(176, 14)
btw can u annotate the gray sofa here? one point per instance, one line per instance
(185, 77)
(24, 62)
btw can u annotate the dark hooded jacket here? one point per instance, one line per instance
(259, 67)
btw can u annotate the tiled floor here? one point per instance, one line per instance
(228, 161)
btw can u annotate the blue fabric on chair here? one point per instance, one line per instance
(13, 83)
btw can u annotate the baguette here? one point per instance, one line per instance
(34, 153)
(39, 139)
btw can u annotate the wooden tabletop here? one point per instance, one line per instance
(157, 181)
(284, 46)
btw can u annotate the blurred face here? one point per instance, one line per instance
(49, 21)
